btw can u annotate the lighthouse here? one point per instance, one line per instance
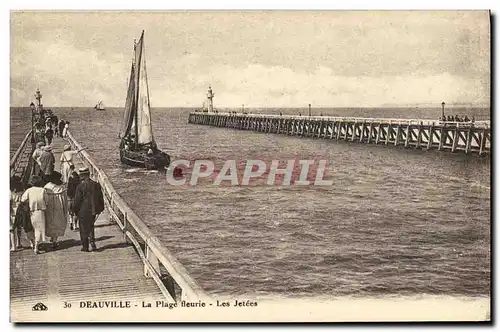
(210, 97)
(38, 97)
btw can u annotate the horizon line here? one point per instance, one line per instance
(297, 107)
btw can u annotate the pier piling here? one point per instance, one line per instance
(465, 137)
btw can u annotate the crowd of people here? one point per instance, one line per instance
(457, 118)
(53, 199)
(47, 126)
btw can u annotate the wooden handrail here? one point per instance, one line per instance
(190, 288)
(16, 155)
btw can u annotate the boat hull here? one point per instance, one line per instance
(157, 161)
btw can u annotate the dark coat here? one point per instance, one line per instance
(73, 182)
(23, 218)
(61, 126)
(89, 200)
(47, 161)
(49, 133)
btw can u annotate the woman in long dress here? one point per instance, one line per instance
(65, 130)
(36, 154)
(37, 201)
(62, 123)
(67, 161)
(57, 208)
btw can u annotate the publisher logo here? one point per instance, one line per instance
(40, 307)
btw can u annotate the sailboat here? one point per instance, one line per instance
(137, 146)
(99, 106)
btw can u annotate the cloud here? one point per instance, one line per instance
(256, 59)
(66, 75)
(276, 86)
(72, 77)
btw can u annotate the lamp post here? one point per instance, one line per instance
(442, 110)
(33, 110)
(309, 109)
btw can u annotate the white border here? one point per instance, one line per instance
(185, 5)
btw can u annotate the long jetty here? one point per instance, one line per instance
(131, 262)
(465, 137)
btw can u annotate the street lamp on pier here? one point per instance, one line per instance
(442, 110)
(309, 109)
(33, 110)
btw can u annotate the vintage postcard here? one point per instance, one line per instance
(250, 166)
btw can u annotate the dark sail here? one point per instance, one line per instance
(129, 117)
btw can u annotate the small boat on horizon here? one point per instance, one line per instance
(137, 146)
(99, 106)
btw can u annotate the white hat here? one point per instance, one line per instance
(84, 170)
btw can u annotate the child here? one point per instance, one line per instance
(23, 220)
(15, 200)
(73, 182)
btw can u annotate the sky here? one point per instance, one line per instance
(259, 59)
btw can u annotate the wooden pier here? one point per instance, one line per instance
(131, 264)
(464, 137)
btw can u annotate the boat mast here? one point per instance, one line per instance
(136, 101)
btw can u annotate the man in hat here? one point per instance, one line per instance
(49, 133)
(36, 155)
(55, 123)
(62, 123)
(87, 205)
(47, 161)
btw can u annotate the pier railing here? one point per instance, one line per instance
(21, 162)
(160, 264)
(395, 121)
(464, 137)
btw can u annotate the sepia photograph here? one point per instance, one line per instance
(250, 166)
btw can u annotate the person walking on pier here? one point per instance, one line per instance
(36, 198)
(47, 161)
(48, 121)
(49, 134)
(55, 123)
(23, 221)
(39, 133)
(15, 201)
(73, 182)
(20, 216)
(65, 130)
(36, 156)
(67, 161)
(56, 213)
(61, 127)
(88, 204)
